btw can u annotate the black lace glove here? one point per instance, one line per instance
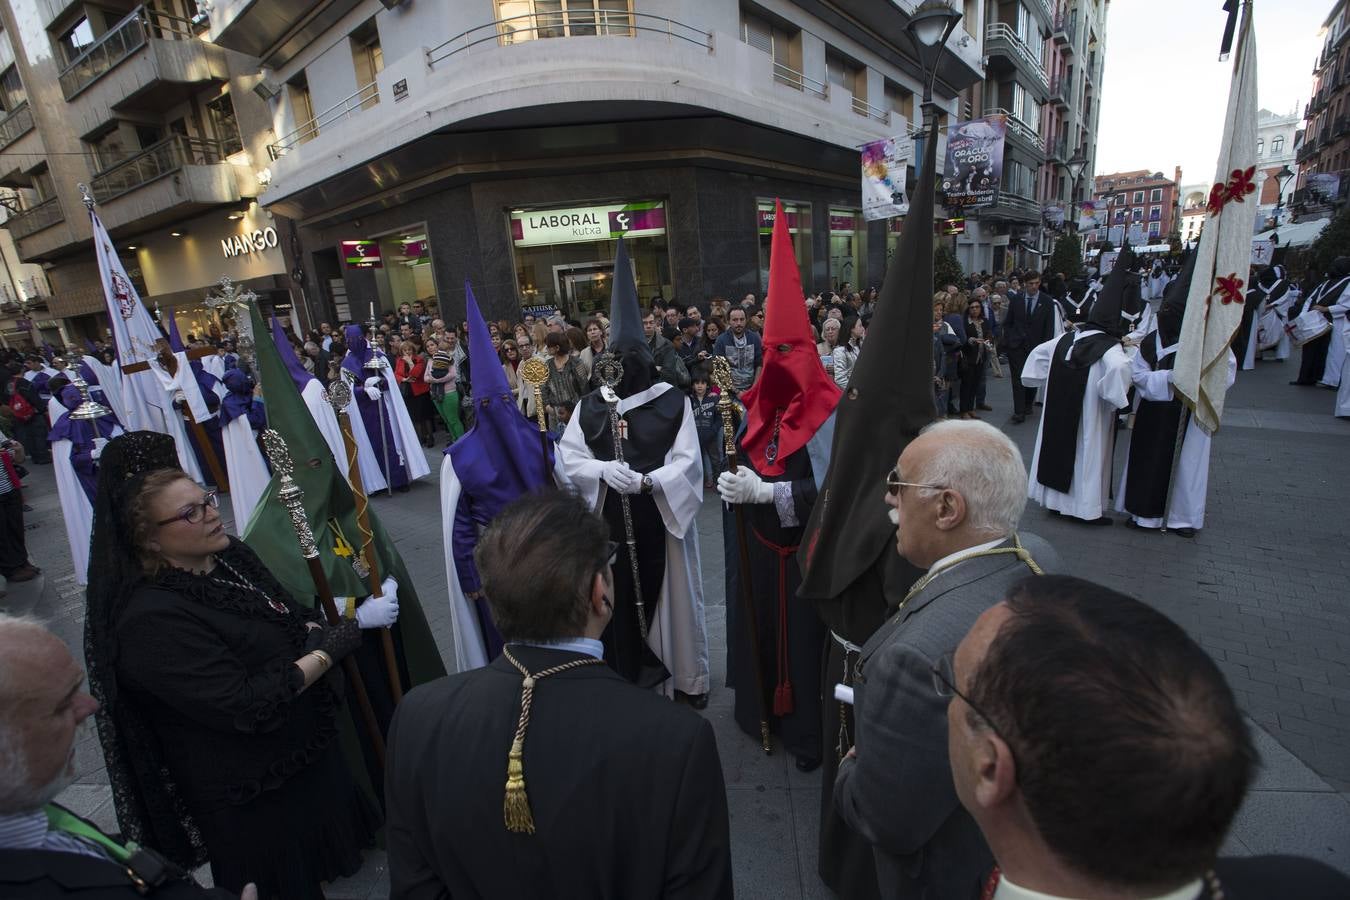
(340, 639)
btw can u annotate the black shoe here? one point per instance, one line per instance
(403, 490)
(1131, 523)
(984, 406)
(1100, 520)
(1184, 532)
(807, 764)
(1302, 383)
(27, 508)
(697, 701)
(1019, 418)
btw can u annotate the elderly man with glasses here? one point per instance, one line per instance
(956, 496)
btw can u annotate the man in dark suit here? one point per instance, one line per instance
(1103, 755)
(956, 495)
(610, 790)
(46, 851)
(1030, 322)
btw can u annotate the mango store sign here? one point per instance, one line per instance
(246, 242)
(533, 228)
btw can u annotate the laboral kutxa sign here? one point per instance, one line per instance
(602, 222)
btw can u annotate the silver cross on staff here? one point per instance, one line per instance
(235, 303)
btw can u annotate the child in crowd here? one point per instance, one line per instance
(708, 422)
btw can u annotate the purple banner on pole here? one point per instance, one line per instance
(974, 165)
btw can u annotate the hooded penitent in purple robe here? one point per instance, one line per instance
(498, 460)
(81, 434)
(207, 383)
(375, 414)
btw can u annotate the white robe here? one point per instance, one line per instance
(1190, 486)
(215, 365)
(1108, 386)
(470, 653)
(248, 473)
(407, 447)
(1340, 317)
(321, 411)
(182, 380)
(76, 509)
(678, 634)
(1331, 373)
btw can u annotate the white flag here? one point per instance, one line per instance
(1218, 293)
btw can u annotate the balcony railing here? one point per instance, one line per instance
(1055, 148)
(118, 43)
(1059, 91)
(15, 125)
(366, 96)
(1016, 126)
(863, 108)
(804, 83)
(1000, 31)
(1065, 29)
(1014, 201)
(31, 221)
(569, 23)
(154, 162)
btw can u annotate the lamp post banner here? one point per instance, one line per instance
(884, 165)
(974, 163)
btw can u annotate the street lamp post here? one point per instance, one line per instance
(1075, 166)
(1282, 178)
(929, 28)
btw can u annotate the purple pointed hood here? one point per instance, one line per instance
(238, 396)
(359, 352)
(70, 429)
(287, 352)
(499, 458)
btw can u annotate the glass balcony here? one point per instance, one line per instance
(15, 125)
(33, 220)
(119, 43)
(154, 162)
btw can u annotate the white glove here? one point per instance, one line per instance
(99, 444)
(381, 611)
(744, 486)
(620, 477)
(372, 386)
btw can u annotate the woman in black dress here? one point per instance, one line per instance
(220, 695)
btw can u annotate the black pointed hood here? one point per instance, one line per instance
(626, 340)
(1172, 311)
(888, 401)
(1112, 301)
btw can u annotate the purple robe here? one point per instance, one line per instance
(81, 434)
(375, 415)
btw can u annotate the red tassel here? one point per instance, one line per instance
(783, 703)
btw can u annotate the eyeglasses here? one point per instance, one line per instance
(195, 512)
(612, 552)
(894, 484)
(944, 683)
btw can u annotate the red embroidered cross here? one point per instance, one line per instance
(1228, 290)
(1238, 187)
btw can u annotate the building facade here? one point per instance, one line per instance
(509, 143)
(1324, 151)
(1142, 206)
(1044, 74)
(163, 127)
(1275, 136)
(1194, 206)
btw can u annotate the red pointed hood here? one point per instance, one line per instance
(793, 395)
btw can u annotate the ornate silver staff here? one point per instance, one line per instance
(89, 408)
(292, 496)
(610, 372)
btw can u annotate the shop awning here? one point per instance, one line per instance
(1298, 234)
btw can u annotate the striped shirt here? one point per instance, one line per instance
(29, 831)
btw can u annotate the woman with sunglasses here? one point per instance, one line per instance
(510, 357)
(224, 692)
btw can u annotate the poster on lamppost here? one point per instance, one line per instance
(974, 162)
(1091, 215)
(884, 165)
(1052, 217)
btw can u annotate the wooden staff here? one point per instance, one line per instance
(366, 562)
(721, 376)
(535, 373)
(292, 497)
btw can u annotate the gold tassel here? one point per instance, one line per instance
(516, 807)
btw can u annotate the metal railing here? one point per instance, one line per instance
(33, 220)
(160, 159)
(1055, 148)
(1000, 31)
(366, 96)
(118, 43)
(1065, 28)
(1016, 126)
(798, 81)
(15, 125)
(566, 24)
(1059, 91)
(863, 108)
(1015, 201)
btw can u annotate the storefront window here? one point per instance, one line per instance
(565, 256)
(848, 247)
(403, 273)
(799, 233)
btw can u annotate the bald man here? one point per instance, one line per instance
(45, 850)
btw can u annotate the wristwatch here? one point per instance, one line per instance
(646, 484)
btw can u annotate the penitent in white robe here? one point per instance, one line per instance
(470, 653)
(678, 634)
(1108, 386)
(1340, 319)
(1190, 484)
(76, 509)
(407, 447)
(247, 472)
(170, 385)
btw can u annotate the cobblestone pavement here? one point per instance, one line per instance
(1264, 588)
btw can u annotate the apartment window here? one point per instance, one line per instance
(1277, 145)
(850, 76)
(523, 20)
(762, 34)
(302, 109)
(900, 100)
(1138, 196)
(1137, 214)
(1260, 146)
(109, 149)
(12, 94)
(366, 53)
(43, 185)
(1120, 198)
(1155, 195)
(224, 126)
(75, 40)
(1120, 217)
(1155, 214)
(1154, 229)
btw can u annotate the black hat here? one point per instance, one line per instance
(1112, 302)
(1173, 309)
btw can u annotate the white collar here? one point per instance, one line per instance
(641, 397)
(1006, 890)
(1164, 352)
(952, 559)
